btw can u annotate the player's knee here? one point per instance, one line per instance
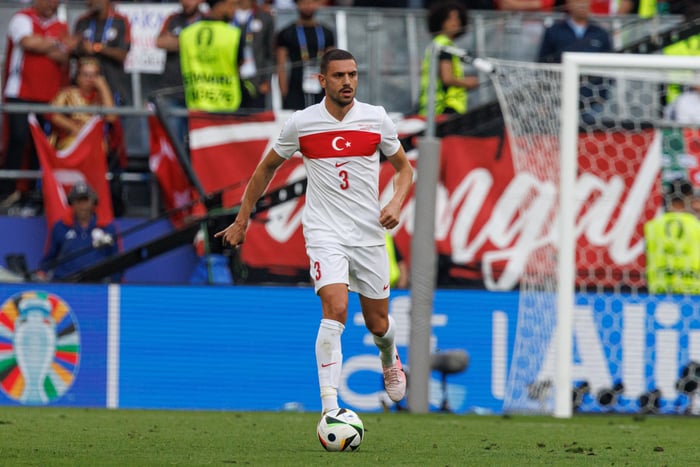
(378, 326)
(335, 311)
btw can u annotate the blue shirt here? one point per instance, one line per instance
(561, 37)
(71, 248)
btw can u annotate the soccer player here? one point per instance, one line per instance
(343, 221)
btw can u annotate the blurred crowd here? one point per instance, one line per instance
(224, 54)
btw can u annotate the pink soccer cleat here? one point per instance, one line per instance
(395, 380)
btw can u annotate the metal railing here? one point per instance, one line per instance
(390, 75)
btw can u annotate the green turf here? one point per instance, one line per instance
(92, 437)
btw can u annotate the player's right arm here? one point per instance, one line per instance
(234, 234)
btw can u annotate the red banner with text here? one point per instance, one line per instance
(489, 219)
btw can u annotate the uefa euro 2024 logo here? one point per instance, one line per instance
(39, 347)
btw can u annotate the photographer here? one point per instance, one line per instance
(77, 241)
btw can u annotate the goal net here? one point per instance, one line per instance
(601, 139)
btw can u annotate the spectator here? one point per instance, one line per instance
(38, 48)
(169, 40)
(577, 33)
(446, 21)
(79, 241)
(299, 47)
(673, 245)
(90, 89)
(105, 34)
(258, 32)
(210, 54)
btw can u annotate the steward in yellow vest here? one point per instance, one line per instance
(209, 59)
(673, 246)
(394, 270)
(447, 21)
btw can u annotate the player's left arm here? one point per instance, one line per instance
(403, 179)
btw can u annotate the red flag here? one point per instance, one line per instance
(84, 160)
(225, 149)
(176, 190)
(278, 229)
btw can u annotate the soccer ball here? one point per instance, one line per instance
(340, 430)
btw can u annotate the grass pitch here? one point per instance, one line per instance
(96, 437)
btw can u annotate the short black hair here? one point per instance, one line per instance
(439, 13)
(334, 54)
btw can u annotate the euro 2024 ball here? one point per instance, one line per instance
(340, 430)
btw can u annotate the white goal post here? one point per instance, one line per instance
(574, 65)
(546, 111)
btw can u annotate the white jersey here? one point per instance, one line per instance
(342, 165)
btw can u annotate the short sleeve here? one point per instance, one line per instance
(20, 27)
(288, 141)
(389, 143)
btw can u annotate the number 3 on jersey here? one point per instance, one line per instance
(344, 181)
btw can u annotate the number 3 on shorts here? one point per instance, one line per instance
(317, 270)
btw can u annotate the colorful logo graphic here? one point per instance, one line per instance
(39, 347)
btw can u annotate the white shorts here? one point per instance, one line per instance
(364, 269)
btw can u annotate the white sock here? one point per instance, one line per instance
(329, 361)
(385, 343)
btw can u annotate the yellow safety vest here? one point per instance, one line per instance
(647, 8)
(394, 271)
(673, 253)
(209, 65)
(688, 47)
(453, 97)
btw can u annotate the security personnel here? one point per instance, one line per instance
(210, 54)
(649, 8)
(673, 245)
(689, 47)
(398, 268)
(394, 271)
(446, 21)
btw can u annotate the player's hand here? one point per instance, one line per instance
(389, 215)
(234, 234)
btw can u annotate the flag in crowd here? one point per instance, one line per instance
(177, 193)
(84, 160)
